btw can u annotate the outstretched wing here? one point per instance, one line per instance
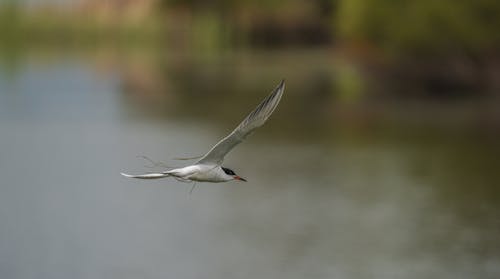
(254, 120)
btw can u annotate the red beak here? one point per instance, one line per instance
(240, 178)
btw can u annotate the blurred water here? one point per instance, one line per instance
(320, 203)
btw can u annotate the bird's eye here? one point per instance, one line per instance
(228, 171)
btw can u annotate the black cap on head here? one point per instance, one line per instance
(228, 171)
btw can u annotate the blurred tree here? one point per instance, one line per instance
(220, 5)
(10, 20)
(426, 25)
(261, 22)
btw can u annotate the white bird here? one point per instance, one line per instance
(209, 168)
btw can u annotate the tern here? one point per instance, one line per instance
(209, 168)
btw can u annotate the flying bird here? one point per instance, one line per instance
(209, 168)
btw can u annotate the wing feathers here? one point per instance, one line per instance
(254, 120)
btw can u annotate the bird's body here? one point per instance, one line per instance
(209, 167)
(198, 172)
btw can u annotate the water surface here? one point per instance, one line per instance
(326, 198)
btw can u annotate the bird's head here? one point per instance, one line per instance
(231, 173)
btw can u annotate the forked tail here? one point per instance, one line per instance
(146, 175)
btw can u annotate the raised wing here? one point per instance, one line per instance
(254, 120)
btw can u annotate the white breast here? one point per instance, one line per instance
(209, 173)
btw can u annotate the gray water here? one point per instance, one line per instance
(322, 201)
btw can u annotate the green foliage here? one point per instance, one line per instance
(19, 28)
(10, 20)
(426, 25)
(349, 82)
(429, 26)
(221, 5)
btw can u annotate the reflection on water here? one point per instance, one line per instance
(321, 202)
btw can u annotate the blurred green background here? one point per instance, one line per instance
(380, 162)
(369, 56)
(418, 49)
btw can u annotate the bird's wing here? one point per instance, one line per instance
(254, 120)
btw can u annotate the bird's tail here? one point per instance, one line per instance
(146, 175)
